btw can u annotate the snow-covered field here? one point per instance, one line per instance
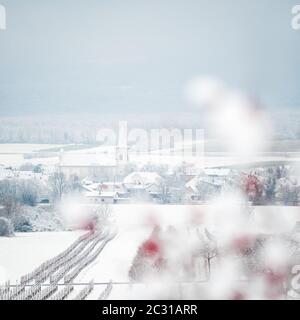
(13, 155)
(23, 253)
(24, 147)
(26, 251)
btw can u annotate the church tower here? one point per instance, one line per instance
(122, 155)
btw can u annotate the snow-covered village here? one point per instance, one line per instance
(148, 161)
(74, 227)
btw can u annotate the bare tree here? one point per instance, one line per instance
(6, 228)
(58, 184)
(9, 197)
(288, 191)
(28, 193)
(209, 248)
(74, 184)
(102, 214)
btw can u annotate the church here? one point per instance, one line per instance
(101, 162)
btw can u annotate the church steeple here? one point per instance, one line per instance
(121, 155)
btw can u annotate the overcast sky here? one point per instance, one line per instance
(60, 56)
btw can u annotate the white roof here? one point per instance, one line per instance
(110, 183)
(87, 181)
(108, 194)
(100, 195)
(193, 183)
(221, 172)
(142, 178)
(88, 189)
(94, 186)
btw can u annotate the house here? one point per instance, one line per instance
(6, 173)
(105, 192)
(217, 172)
(211, 182)
(144, 186)
(191, 171)
(95, 197)
(122, 194)
(98, 162)
(113, 187)
(142, 178)
(86, 165)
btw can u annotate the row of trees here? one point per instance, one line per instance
(271, 185)
(60, 185)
